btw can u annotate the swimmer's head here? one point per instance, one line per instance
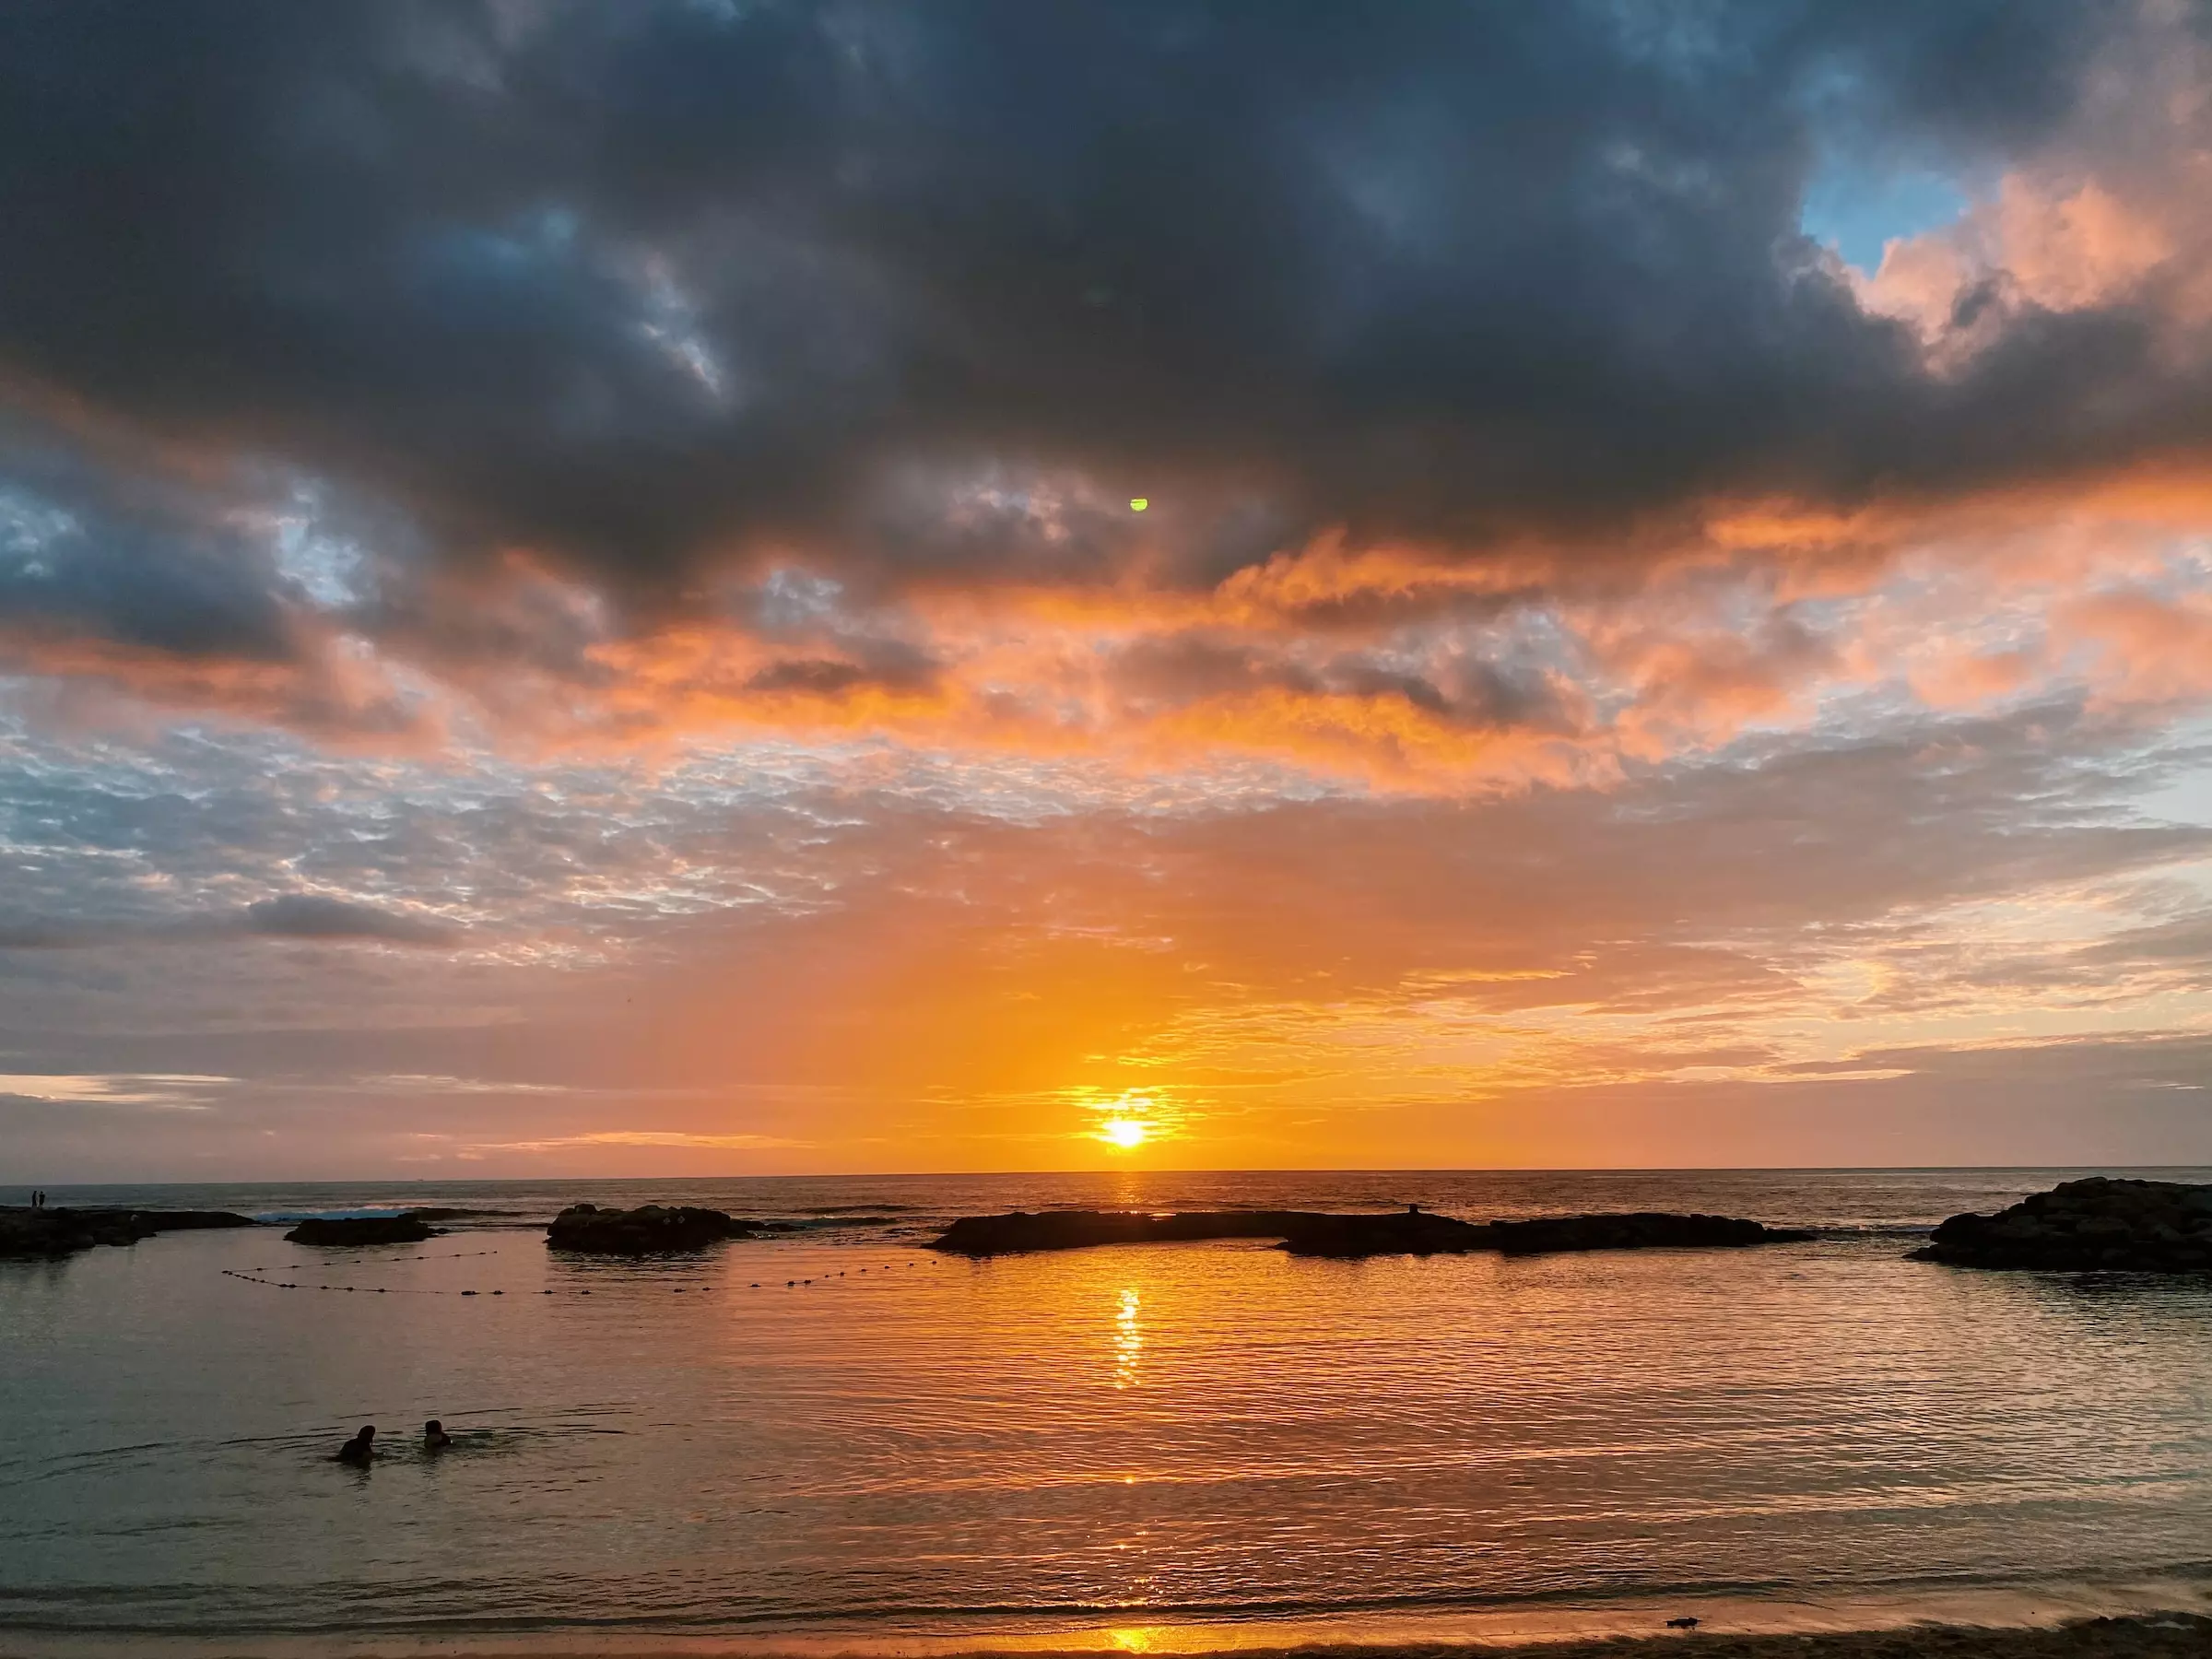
(368, 1432)
(433, 1427)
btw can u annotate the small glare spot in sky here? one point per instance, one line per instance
(1138, 503)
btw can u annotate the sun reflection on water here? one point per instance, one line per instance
(1128, 1340)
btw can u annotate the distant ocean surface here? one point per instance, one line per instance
(1170, 1434)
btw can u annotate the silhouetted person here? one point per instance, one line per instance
(359, 1449)
(38, 1201)
(1413, 1209)
(434, 1437)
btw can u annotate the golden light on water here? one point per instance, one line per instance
(1128, 1339)
(1124, 1133)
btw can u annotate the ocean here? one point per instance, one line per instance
(840, 1437)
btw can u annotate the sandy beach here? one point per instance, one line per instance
(2156, 1617)
(2153, 1637)
(2169, 1635)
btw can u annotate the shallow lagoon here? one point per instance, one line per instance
(1152, 1433)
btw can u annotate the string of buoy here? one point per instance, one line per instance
(256, 1277)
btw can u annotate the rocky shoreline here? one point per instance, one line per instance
(650, 1229)
(2097, 1224)
(410, 1229)
(2094, 1225)
(1416, 1233)
(1022, 1231)
(54, 1231)
(1411, 1231)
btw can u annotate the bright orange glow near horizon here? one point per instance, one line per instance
(1126, 1133)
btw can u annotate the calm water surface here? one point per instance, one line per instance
(1192, 1432)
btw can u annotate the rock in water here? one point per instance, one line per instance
(163, 1221)
(1643, 1230)
(1314, 1233)
(365, 1229)
(2128, 1225)
(1417, 1234)
(1073, 1229)
(648, 1229)
(58, 1233)
(1397, 1232)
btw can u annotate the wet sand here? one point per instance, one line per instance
(2167, 1619)
(2178, 1635)
(2166, 1636)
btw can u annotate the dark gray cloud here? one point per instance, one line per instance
(314, 916)
(287, 916)
(121, 554)
(638, 283)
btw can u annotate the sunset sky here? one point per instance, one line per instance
(570, 601)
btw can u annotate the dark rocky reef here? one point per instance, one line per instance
(648, 1229)
(1642, 1229)
(1306, 1232)
(163, 1221)
(58, 1233)
(2097, 1224)
(1414, 1232)
(365, 1229)
(1073, 1230)
(1398, 1232)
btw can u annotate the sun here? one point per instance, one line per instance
(1124, 1133)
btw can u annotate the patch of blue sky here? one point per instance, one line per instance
(30, 529)
(1859, 211)
(326, 568)
(2183, 793)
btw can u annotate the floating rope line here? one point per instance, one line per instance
(460, 1255)
(257, 1276)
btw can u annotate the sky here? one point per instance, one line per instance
(573, 598)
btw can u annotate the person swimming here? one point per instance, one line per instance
(434, 1437)
(360, 1448)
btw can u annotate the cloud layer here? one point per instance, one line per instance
(507, 506)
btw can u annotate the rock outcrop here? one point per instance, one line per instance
(163, 1221)
(364, 1229)
(1308, 1232)
(1073, 1230)
(1398, 1232)
(1642, 1229)
(648, 1229)
(1414, 1232)
(2097, 1224)
(58, 1233)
